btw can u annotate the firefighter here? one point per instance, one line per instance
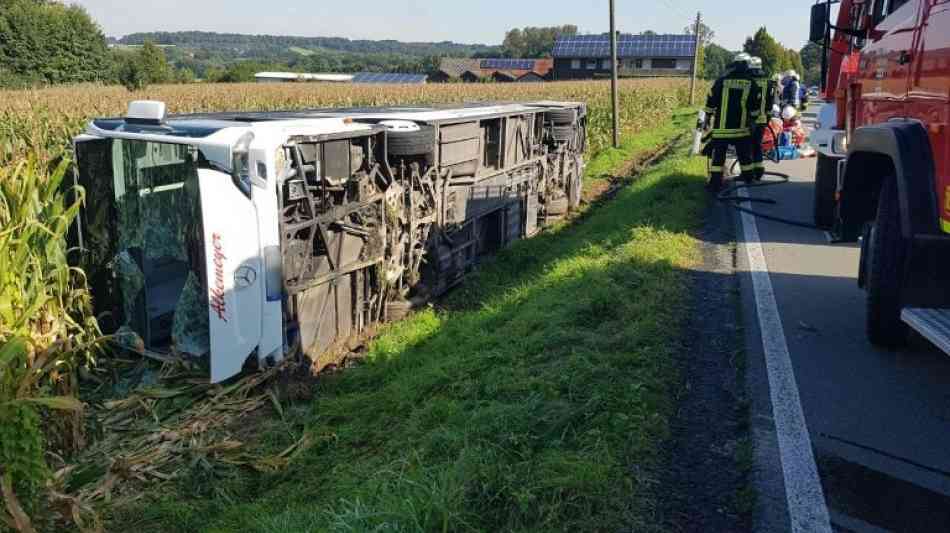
(791, 92)
(765, 90)
(729, 110)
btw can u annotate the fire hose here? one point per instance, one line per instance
(729, 197)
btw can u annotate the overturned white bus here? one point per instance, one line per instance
(257, 236)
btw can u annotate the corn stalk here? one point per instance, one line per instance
(46, 329)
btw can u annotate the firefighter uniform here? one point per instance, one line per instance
(732, 107)
(765, 90)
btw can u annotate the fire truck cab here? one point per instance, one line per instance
(889, 74)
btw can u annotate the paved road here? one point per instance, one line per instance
(879, 421)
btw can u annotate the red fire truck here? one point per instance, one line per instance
(889, 74)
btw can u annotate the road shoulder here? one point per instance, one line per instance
(710, 452)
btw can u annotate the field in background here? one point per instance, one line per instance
(42, 122)
(35, 132)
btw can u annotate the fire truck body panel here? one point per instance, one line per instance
(894, 183)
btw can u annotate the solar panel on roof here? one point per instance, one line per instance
(508, 64)
(597, 46)
(388, 77)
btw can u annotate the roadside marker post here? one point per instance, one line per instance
(614, 75)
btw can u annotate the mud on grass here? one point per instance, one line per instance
(536, 401)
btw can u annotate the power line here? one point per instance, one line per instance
(687, 17)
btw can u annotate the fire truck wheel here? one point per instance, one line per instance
(826, 184)
(885, 271)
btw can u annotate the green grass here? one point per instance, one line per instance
(612, 159)
(302, 51)
(536, 399)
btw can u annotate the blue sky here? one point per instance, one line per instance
(470, 21)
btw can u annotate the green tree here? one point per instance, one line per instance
(50, 42)
(514, 44)
(765, 46)
(706, 36)
(716, 61)
(184, 75)
(793, 61)
(811, 63)
(532, 42)
(245, 71)
(154, 63)
(129, 72)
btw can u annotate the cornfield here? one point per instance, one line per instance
(46, 326)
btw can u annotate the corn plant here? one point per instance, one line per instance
(46, 328)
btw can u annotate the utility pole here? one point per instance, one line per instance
(614, 67)
(697, 41)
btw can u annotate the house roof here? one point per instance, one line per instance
(628, 45)
(362, 77)
(301, 76)
(488, 67)
(454, 67)
(388, 78)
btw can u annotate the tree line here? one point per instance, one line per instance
(45, 42)
(267, 46)
(775, 57)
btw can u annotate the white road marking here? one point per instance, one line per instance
(806, 500)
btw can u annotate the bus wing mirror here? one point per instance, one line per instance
(819, 22)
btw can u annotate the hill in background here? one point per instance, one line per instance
(208, 53)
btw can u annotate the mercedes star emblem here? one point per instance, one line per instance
(244, 277)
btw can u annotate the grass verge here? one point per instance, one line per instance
(536, 399)
(612, 160)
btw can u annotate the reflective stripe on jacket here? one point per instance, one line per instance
(766, 89)
(734, 103)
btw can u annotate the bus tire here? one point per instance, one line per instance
(411, 143)
(563, 117)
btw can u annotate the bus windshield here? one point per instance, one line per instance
(153, 246)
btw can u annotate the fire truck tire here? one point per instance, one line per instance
(563, 117)
(826, 184)
(412, 143)
(885, 272)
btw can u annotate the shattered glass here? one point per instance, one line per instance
(190, 328)
(159, 262)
